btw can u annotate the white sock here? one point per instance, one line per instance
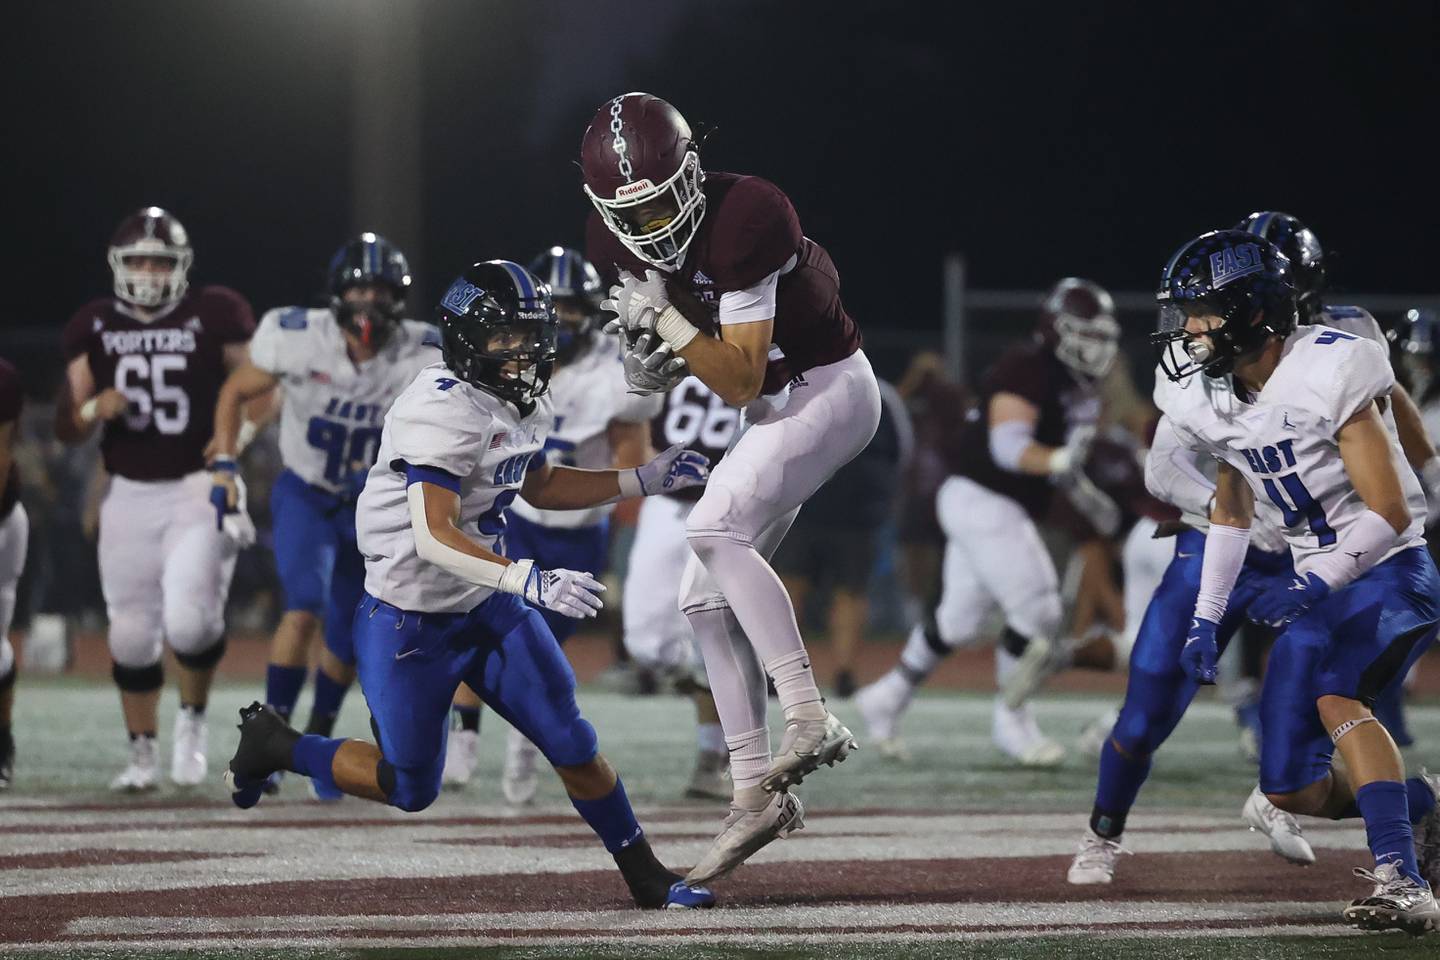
(749, 758)
(795, 686)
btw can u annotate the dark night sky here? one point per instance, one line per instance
(1042, 139)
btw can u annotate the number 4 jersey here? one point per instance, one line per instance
(169, 367)
(1283, 441)
(333, 408)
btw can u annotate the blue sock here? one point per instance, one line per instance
(282, 688)
(1422, 798)
(1120, 780)
(1387, 825)
(611, 818)
(328, 697)
(469, 718)
(313, 757)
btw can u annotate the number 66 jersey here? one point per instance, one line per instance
(1283, 440)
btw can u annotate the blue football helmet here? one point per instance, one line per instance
(1240, 277)
(576, 289)
(1415, 343)
(497, 331)
(369, 260)
(1302, 248)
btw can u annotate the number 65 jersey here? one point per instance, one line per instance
(169, 367)
(333, 408)
(1283, 440)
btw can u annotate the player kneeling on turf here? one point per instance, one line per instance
(442, 606)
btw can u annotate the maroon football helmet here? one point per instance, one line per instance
(639, 159)
(150, 233)
(1078, 321)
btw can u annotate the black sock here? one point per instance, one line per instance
(321, 724)
(1106, 825)
(469, 718)
(196, 708)
(147, 734)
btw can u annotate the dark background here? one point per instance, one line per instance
(1040, 139)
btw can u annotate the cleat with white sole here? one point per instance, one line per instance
(142, 773)
(806, 746)
(1427, 836)
(189, 764)
(1286, 838)
(1095, 861)
(461, 756)
(881, 705)
(521, 775)
(1396, 903)
(1042, 659)
(1018, 736)
(746, 831)
(711, 779)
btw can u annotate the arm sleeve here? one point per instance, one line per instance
(1225, 549)
(753, 304)
(1361, 546)
(1008, 442)
(1171, 474)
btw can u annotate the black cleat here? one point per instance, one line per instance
(652, 886)
(266, 745)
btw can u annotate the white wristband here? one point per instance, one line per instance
(630, 485)
(88, 410)
(674, 329)
(247, 433)
(1060, 462)
(515, 577)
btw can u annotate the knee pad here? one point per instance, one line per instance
(138, 679)
(204, 660)
(7, 677)
(573, 745)
(134, 639)
(406, 788)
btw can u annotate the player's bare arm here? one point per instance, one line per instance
(734, 365)
(1234, 500)
(80, 407)
(549, 487)
(1365, 451)
(440, 512)
(1419, 450)
(246, 384)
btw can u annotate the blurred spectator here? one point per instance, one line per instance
(835, 538)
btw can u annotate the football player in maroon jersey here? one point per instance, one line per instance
(716, 265)
(1029, 436)
(14, 535)
(145, 365)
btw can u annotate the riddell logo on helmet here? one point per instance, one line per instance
(632, 189)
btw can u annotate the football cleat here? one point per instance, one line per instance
(266, 745)
(521, 776)
(1396, 903)
(1042, 659)
(1427, 836)
(1286, 838)
(188, 761)
(1092, 738)
(1095, 861)
(711, 779)
(461, 758)
(7, 759)
(746, 831)
(881, 704)
(143, 771)
(1017, 735)
(804, 748)
(682, 896)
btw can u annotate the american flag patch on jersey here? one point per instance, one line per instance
(497, 441)
(319, 376)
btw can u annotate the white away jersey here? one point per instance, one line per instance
(332, 409)
(588, 393)
(1284, 443)
(1356, 320)
(439, 421)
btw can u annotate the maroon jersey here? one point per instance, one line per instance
(12, 399)
(170, 370)
(750, 231)
(1031, 371)
(694, 416)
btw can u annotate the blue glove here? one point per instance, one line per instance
(1287, 600)
(222, 472)
(1201, 650)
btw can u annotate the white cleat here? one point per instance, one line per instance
(746, 831)
(1396, 903)
(1427, 836)
(881, 705)
(143, 771)
(1017, 735)
(1042, 659)
(1286, 838)
(188, 761)
(1095, 862)
(806, 746)
(461, 757)
(521, 776)
(711, 779)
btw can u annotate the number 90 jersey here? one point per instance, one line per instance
(696, 417)
(170, 368)
(333, 408)
(445, 424)
(1283, 441)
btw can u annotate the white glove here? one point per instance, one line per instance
(636, 303)
(675, 469)
(1071, 457)
(652, 367)
(1092, 503)
(567, 592)
(236, 524)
